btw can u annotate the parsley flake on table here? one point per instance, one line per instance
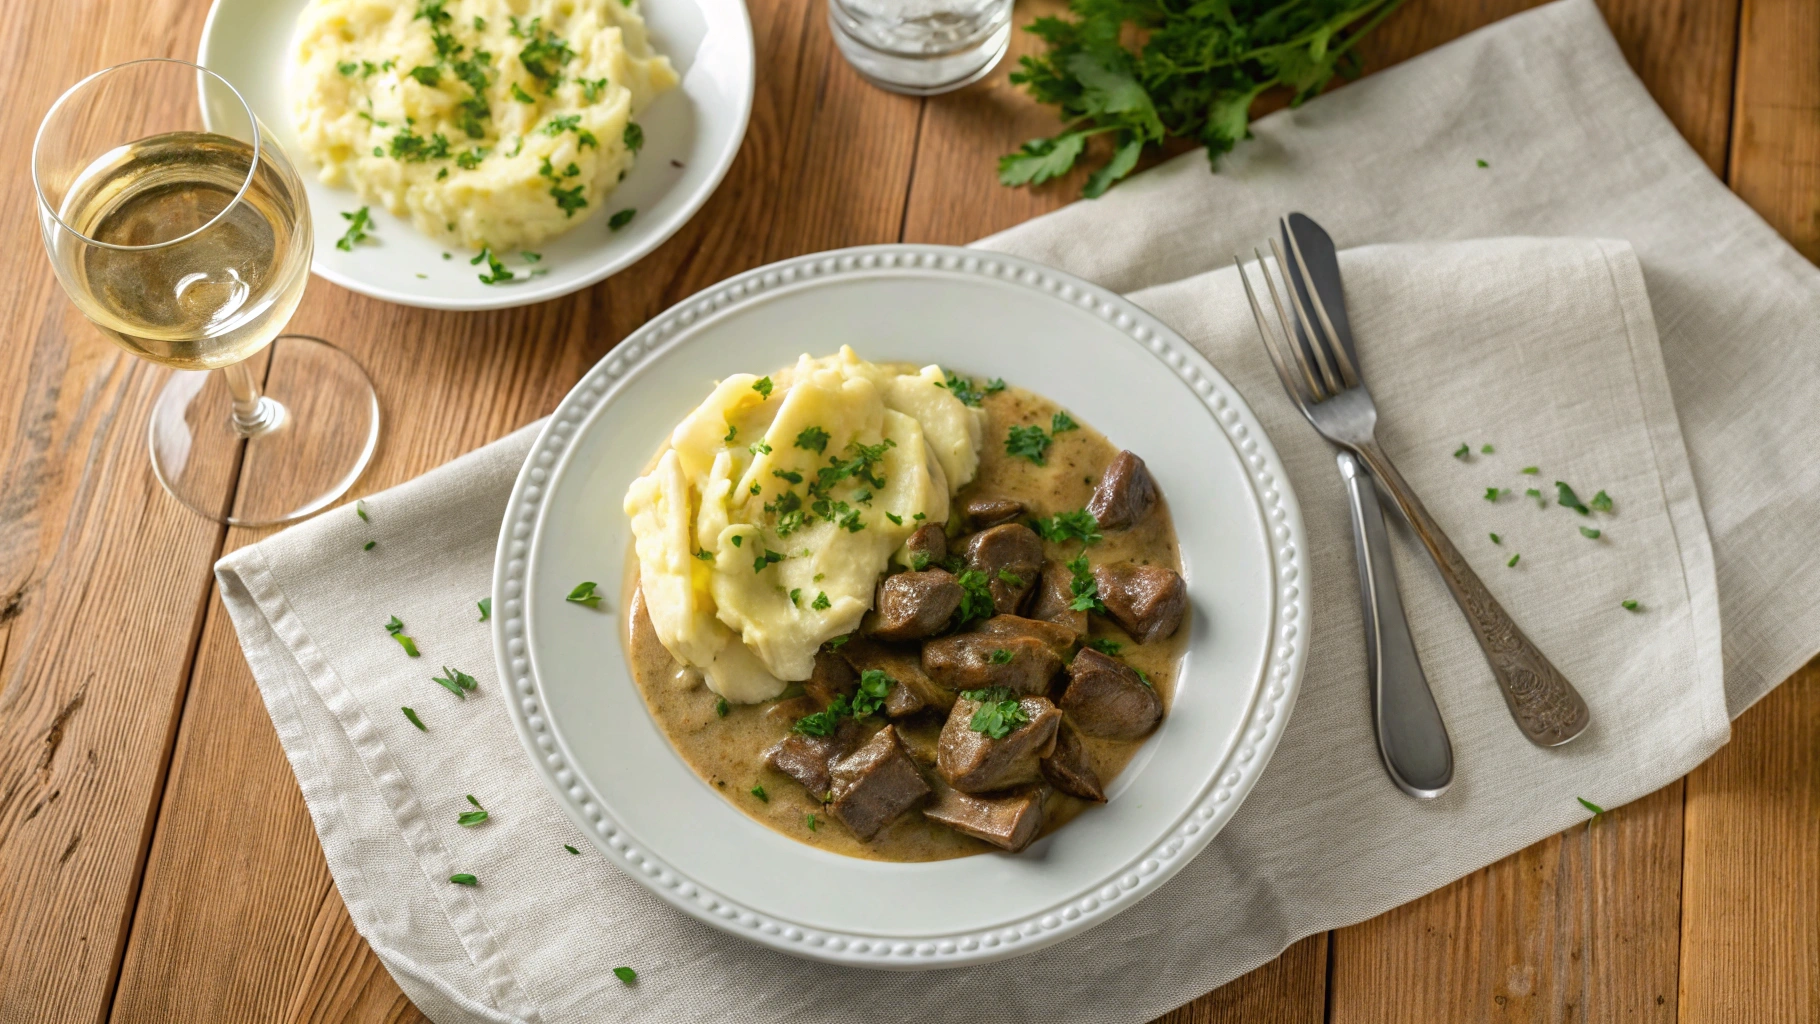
(368, 546)
(1494, 493)
(360, 509)
(358, 223)
(396, 628)
(1495, 539)
(1486, 449)
(1629, 605)
(1589, 805)
(1601, 502)
(455, 681)
(1589, 533)
(1483, 164)
(1569, 499)
(468, 819)
(418, 722)
(1062, 422)
(621, 219)
(1191, 72)
(1530, 470)
(486, 608)
(571, 849)
(584, 594)
(1062, 527)
(1463, 452)
(1027, 442)
(1513, 561)
(463, 878)
(1541, 502)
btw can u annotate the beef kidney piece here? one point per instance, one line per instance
(913, 605)
(1057, 637)
(978, 661)
(1009, 822)
(875, 784)
(1146, 601)
(807, 759)
(984, 512)
(974, 762)
(1054, 595)
(1125, 495)
(927, 546)
(833, 677)
(1069, 769)
(1106, 697)
(1011, 558)
(911, 688)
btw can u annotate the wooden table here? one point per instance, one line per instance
(156, 861)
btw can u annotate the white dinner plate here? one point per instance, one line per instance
(691, 135)
(585, 726)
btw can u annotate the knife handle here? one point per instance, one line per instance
(1412, 737)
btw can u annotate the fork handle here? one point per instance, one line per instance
(1545, 705)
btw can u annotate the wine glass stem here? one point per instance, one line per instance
(254, 413)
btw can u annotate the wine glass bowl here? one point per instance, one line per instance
(180, 229)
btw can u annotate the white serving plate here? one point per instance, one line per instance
(585, 726)
(699, 124)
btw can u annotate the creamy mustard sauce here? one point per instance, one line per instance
(728, 752)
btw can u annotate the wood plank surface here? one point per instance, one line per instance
(159, 862)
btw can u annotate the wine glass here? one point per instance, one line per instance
(178, 227)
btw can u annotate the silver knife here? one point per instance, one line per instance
(1412, 737)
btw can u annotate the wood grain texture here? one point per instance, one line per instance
(1751, 922)
(1292, 989)
(1775, 162)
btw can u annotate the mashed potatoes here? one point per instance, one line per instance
(765, 525)
(486, 122)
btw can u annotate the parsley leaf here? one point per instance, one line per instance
(1513, 561)
(821, 602)
(1463, 452)
(463, 878)
(1628, 605)
(770, 557)
(468, 819)
(455, 681)
(620, 219)
(1190, 71)
(814, 439)
(1110, 648)
(584, 594)
(396, 628)
(1000, 656)
(1066, 526)
(358, 223)
(1060, 422)
(1589, 805)
(418, 722)
(976, 596)
(998, 716)
(1530, 470)
(1027, 443)
(869, 699)
(625, 974)
(763, 387)
(1589, 533)
(1569, 499)
(486, 608)
(634, 136)
(571, 849)
(1601, 502)
(1086, 589)
(496, 271)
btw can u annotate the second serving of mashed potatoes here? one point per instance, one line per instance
(486, 122)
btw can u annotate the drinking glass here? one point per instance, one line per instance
(921, 47)
(178, 227)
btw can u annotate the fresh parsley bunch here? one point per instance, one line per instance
(1200, 65)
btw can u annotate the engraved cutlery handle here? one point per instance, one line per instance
(1545, 705)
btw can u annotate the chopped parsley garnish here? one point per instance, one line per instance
(1530, 470)
(571, 849)
(788, 474)
(584, 594)
(965, 390)
(591, 89)
(409, 146)
(358, 223)
(1066, 526)
(737, 538)
(620, 219)
(705, 555)
(721, 707)
(811, 821)
(1027, 442)
(1541, 502)
(1010, 579)
(1569, 499)
(368, 546)
(759, 448)
(999, 713)
(544, 54)
(1628, 605)
(634, 136)
(1463, 452)
(426, 74)
(1601, 502)
(468, 819)
(1495, 539)
(467, 162)
(1110, 648)
(850, 521)
(418, 722)
(732, 431)
(625, 974)
(396, 628)
(874, 684)
(759, 791)
(568, 200)
(347, 67)
(520, 95)
(530, 257)
(360, 507)
(835, 644)
(1589, 533)
(763, 387)
(1486, 449)
(824, 722)
(463, 878)
(814, 439)
(1513, 561)
(821, 602)
(486, 608)
(919, 560)
(1060, 422)
(770, 557)
(976, 596)
(796, 596)
(1483, 164)
(1000, 656)
(1589, 805)
(558, 125)
(455, 681)
(1494, 493)
(496, 271)
(1085, 588)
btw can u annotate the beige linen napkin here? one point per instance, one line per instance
(1545, 349)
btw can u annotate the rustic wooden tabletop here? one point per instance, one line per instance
(156, 860)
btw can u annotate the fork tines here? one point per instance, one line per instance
(1309, 342)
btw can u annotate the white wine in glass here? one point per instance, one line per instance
(179, 228)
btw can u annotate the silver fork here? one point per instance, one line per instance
(1326, 386)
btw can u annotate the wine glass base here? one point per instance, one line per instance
(318, 427)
